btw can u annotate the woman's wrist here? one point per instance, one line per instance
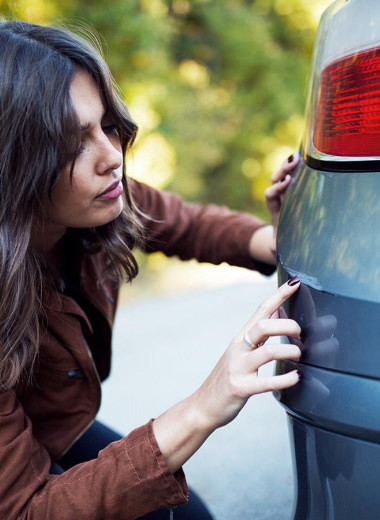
(180, 431)
(273, 251)
(262, 245)
(273, 245)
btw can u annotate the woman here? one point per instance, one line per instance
(69, 221)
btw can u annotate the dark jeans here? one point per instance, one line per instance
(98, 437)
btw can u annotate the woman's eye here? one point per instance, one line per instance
(82, 145)
(110, 129)
(80, 149)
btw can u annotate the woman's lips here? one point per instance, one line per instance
(113, 192)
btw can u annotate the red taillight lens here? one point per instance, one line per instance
(348, 114)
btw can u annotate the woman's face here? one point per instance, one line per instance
(93, 195)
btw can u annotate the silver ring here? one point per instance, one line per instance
(247, 341)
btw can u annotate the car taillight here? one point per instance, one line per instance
(343, 105)
(348, 117)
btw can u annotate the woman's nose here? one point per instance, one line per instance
(110, 156)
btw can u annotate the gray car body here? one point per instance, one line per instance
(328, 237)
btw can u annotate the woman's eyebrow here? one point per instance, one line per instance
(85, 126)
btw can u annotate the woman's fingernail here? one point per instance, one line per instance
(291, 158)
(293, 281)
(299, 375)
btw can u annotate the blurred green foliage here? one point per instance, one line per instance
(217, 87)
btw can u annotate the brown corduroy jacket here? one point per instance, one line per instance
(40, 421)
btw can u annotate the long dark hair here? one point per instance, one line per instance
(39, 135)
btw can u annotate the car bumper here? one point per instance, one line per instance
(327, 236)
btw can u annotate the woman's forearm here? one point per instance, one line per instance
(262, 245)
(182, 429)
(180, 432)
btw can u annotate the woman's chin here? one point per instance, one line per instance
(112, 214)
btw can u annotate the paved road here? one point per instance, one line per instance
(164, 347)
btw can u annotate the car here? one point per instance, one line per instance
(328, 237)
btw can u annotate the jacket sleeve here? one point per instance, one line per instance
(128, 479)
(208, 233)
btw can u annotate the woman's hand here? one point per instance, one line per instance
(275, 193)
(181, 430)
(262, 245)
(236, 376)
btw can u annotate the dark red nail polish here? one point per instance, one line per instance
(291, 158)
(299, 375)
(293, 281)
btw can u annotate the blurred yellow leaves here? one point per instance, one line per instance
(303, 13)
(214, 98)
(181, 7)
(158, 8)
(193, 74)
(251, 168)
(143, 112)
(153, 160)
(36, 11)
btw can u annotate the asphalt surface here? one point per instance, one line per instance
(164, 347)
